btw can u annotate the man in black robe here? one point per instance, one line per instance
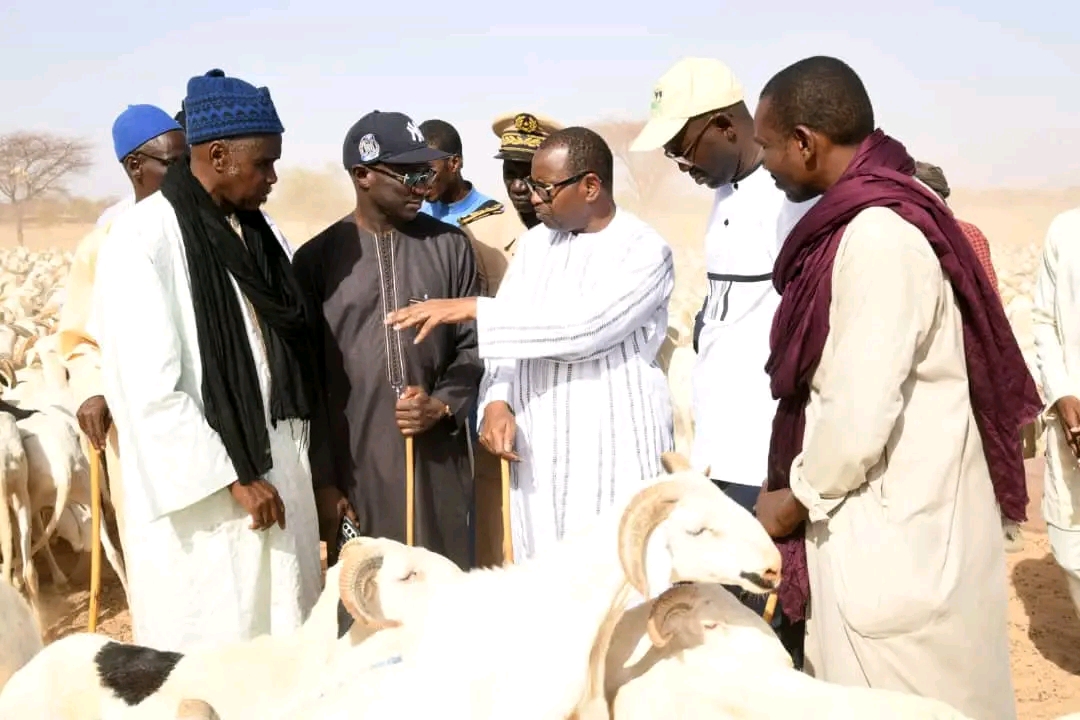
(380, 386)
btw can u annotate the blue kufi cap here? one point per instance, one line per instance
(219, 107)
(138, 125)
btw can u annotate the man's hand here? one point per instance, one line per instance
(429, 314)
(779, 512)
(417, 411)
(262, 502)
(331, 506)
(500, 427)
(95, 420)
(1068, 414)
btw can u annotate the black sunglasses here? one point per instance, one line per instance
(546, 191)
(411, 180)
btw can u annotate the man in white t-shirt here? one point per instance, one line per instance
(700, 120)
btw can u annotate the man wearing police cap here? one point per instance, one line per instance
(494, 230)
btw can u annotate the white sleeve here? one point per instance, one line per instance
(575, 328)
(1050, 356)
(181, 458)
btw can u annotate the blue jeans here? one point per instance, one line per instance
(790, 634)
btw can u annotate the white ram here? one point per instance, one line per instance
(530, 628)
(20, 633)
(711, 657)
(90, 677)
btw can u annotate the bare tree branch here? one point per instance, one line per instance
(33, 163)
(646, 172)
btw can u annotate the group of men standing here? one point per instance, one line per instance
(857, 387)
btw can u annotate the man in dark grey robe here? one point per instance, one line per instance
(380, 385)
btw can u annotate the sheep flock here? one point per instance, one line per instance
(629, 620)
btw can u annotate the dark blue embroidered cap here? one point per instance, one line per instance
(219, 107)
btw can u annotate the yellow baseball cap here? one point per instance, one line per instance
(691, 87)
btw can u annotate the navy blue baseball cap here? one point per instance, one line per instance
(386, 137)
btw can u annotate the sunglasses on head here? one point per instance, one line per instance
(414, 179)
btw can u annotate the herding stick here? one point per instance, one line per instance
(770, 609)
(410, 489)
(95, 538)
(507, 541)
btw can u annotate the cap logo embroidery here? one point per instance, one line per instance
(414, 131)
(526, 123)
(369, 148)
(657, 96)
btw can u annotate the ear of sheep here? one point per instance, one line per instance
(674, 462)
(360, 562)
(646, 510)
(670, 605)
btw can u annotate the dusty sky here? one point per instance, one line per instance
(987, 89)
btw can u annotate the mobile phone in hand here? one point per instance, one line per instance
(346, 532)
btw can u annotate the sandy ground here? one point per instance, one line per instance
(1044, 631)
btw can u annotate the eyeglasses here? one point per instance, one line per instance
(683, 158)
(547, 191)
(418, 178)
(164, 161)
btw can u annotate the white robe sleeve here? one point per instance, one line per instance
(181, 458)
(1056, 382)
(884, 295)
(574, 327)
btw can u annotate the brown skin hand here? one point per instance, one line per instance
(430, 314)
(719, 145)
(417, 412)
(237, 173)
(779, 512)
(803, 162)
(581, 207)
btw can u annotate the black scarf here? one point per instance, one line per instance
(232, 399)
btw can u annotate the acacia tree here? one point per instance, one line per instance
(35, 163)
(646, 172)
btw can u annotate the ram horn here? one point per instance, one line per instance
(191, 709)
(674, 601)
(360, 561)
(7, 372)
(646, 510)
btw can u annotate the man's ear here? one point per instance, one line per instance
(454, 163)
(362, 176)
(807, 142)
(133, 167)
(218, 152)
(593, 187)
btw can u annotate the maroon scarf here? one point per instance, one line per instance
(1003, 394)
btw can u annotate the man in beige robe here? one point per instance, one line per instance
(146, 140)
(889, 344)
(1057, 341)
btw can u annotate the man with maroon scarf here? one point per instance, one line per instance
(901, 394)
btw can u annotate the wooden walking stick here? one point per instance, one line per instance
(507, 541)
(95, 538)
(770, 609)
(410, 490)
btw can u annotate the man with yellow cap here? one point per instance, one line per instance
(700, 120)
(494, 230)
